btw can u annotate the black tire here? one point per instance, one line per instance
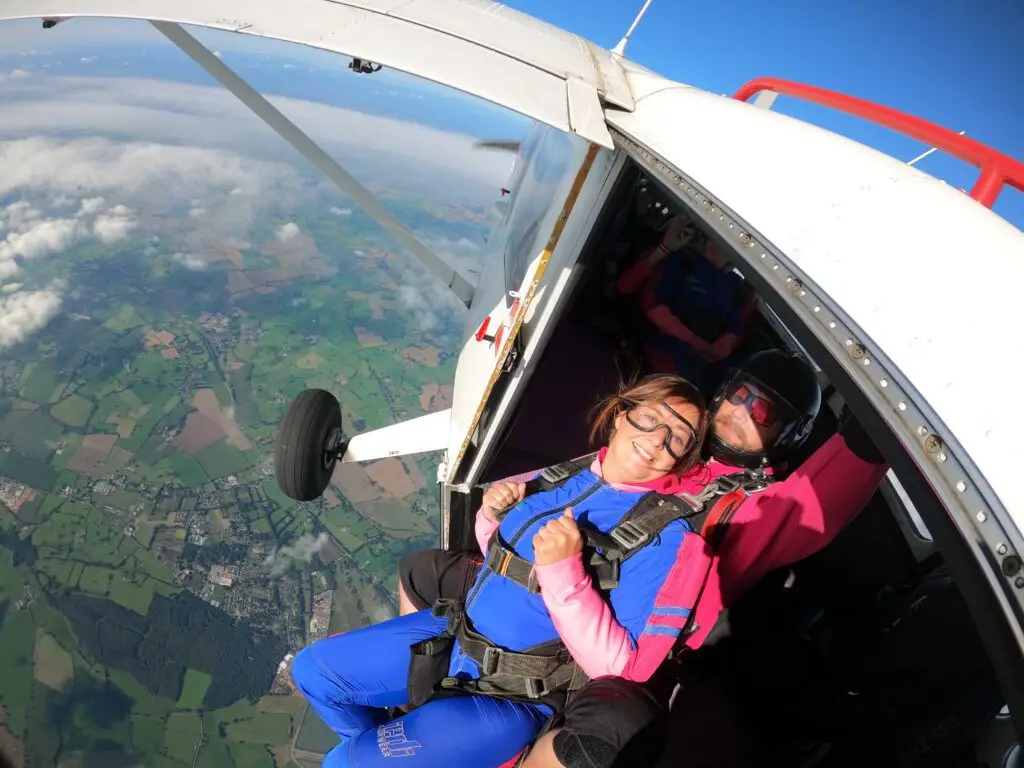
(301, 463)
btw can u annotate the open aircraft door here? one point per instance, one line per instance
(530, 256)
(839, 240)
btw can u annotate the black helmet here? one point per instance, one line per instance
(791, 384)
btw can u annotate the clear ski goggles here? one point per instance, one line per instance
(680, 436)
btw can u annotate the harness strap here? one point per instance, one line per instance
(716, 523)
(503, 561)
(645, 520)
(554, 476)
(533, 674)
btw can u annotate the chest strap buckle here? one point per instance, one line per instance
(629, 535)
(557, 473)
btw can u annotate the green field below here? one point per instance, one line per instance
(186, 471)
(222, 459)
(40, 380)
(147, 734)
(182, 735)
(263, 728)
(17, 638)
(94, 373)
(124, 319)
(250, 755)
(73, 411)
(144, 533)
(193, 689)
(314, 735)
(135, 597)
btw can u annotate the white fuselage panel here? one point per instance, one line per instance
(931, 276)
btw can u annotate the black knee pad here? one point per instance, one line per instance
(583, 751)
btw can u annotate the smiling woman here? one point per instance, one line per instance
(171, 273)
(653, 427)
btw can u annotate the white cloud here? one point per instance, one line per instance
(413, 300)
(153, 174)
(15, 74)
(91, 205)
(341, 211)
(189, 261)
(434, 306)
(129, 168)
(464, 255)
(303, 550)
(287, 231)
(115, 224)
(88, 59)
(181, 114)
(10, 287)
(17, 215)
(23, 312)
(40, 238)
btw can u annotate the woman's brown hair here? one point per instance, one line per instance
(651, 389)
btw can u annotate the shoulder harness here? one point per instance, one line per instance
(707, 512)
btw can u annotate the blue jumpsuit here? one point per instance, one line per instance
(350, 678)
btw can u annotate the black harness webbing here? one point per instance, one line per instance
(543, 673)
(706, 513)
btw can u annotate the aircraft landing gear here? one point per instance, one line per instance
(309, 445)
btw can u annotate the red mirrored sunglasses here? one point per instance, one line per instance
(763, 411)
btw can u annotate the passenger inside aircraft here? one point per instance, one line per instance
(864, 653)
(689, 305)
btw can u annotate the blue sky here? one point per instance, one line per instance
(959, 63)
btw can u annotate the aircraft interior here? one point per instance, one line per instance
(864, 654)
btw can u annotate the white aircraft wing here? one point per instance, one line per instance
(481, 48)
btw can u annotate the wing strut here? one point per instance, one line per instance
(291, 133)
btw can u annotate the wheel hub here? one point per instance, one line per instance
(334, 447)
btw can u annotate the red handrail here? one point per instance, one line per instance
(996, 168)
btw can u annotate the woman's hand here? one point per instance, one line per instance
(557, 540)
(502, 496)
(678, 233)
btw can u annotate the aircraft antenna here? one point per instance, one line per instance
(923, 155)
(620, 49)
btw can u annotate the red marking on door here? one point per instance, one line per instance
(481, 332)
